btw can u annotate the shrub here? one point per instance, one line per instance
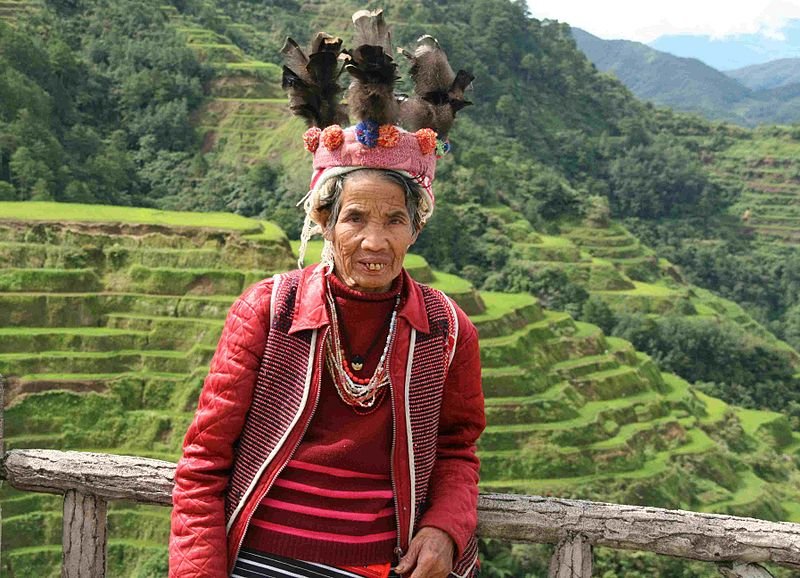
(597, 311)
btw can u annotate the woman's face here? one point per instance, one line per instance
(372, 234)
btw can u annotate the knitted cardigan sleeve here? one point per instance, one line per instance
(453, 490)
(197, 543)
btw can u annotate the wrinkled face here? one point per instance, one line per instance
(372, 234)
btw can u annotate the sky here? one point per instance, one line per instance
(646, 20)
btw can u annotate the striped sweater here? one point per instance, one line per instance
(333, 503)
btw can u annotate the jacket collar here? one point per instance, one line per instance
(310, 311)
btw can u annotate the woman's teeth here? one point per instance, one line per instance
(375, 266)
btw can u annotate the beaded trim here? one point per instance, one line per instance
(359, 393)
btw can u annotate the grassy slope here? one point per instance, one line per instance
(570, 411)
(64, 212)
(244, 120)
(767, 163)
(608, 261)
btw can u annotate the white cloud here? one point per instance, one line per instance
(645, 21)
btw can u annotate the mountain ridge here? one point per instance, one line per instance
(748, 97)
(737, 50)
(769, 75)
(664, 78)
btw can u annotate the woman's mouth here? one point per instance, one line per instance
(375, 266)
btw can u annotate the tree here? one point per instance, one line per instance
(661, 179)
(597, 311)
(28, 172)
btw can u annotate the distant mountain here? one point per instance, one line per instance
(683, 83)
(775, 74)
(736, 51)
(765, 94)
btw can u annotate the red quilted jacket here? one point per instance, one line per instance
(206, 536)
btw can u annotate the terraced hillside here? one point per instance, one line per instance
(107, 328)
(245, 121)
(769, 167)
(13, 10)
(245, 118)
(611, 263)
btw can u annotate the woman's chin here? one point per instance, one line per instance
(373, 285)
(365, 279)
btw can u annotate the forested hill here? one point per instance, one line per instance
(682, 83)
(754, 95)
(773, 74)
(98, 94)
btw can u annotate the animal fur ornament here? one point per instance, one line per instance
(312, 82)
(376, 140)
(438, 91)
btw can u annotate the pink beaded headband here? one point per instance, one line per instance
(393, 148)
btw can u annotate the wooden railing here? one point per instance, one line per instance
(89, 480)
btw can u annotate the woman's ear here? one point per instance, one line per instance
(321, 219)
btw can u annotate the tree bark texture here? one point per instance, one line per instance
(707, 537)
(111, 477)
(572, 558)
(83, 536)
(739, 570)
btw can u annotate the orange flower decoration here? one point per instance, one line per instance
(332, 137)
(388, 136)
(311, 139)
(426, 137)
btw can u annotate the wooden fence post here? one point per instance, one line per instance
(572, 558)
(84, 536)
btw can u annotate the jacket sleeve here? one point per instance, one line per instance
(453, 490)
(197, 543)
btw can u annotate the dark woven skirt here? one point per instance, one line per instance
(255, 564)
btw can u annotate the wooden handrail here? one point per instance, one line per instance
(89, 480)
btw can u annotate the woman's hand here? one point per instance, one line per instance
(430, 555)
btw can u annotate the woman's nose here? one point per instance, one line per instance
(375, 238)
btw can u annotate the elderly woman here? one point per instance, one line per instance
(335, 432)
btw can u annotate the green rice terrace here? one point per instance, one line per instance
(768, 166)
(107, 326)
(12, 10)
(244, 119)
(612, 264)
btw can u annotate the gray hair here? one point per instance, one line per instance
(330, 197)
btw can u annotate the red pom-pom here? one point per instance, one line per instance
(388, 136)
(426, 137)
(311, 139)
(332, 137)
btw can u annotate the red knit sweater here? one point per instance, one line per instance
(333, 503)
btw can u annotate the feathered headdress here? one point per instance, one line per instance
(376, 140)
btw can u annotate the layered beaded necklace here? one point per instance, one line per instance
(362, 394)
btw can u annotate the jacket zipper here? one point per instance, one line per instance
(318, 361)
(398, 549)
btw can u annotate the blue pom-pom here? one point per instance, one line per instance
(367, 133)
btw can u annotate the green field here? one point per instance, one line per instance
(64, 212)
